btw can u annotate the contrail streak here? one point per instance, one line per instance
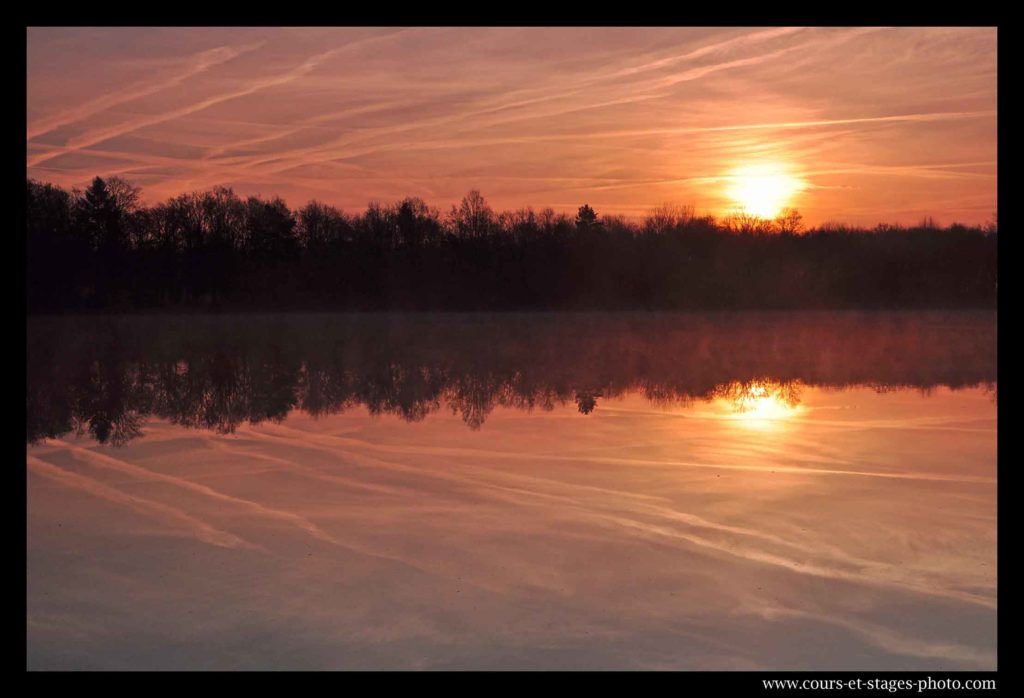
(204, 531)
(196, 64)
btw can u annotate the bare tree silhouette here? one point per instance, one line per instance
(102, 249)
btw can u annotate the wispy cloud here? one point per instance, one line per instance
(99, 135)
(202, 530)
(352, 115)
(122, 466)
(194, 65)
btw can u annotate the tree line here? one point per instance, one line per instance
(101, 249)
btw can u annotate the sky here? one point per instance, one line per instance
(855, 125)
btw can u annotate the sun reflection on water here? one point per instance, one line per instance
(760, 404)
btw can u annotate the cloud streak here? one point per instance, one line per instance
(645, 116)
(201, 529)
(99, 135)
(195, 65)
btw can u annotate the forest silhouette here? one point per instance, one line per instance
(103, 376)
(101, 249)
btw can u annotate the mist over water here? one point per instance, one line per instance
(634, 490)
(104, 374)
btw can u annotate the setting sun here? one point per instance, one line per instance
(762, 190)
(512, 348)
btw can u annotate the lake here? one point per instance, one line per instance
(512, 491)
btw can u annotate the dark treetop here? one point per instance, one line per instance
(100, 249)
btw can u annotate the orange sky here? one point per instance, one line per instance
(872, 124)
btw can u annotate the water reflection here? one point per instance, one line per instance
(762, 404)
(688, 492)
(104, 376)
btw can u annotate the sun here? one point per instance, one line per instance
(762, 190)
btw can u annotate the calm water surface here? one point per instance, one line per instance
(638, 491)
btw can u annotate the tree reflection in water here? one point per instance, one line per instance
(103, 376)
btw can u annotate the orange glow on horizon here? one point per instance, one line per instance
(858, 125)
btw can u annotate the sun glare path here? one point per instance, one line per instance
(762, 404)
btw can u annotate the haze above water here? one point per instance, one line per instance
(637, 491)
